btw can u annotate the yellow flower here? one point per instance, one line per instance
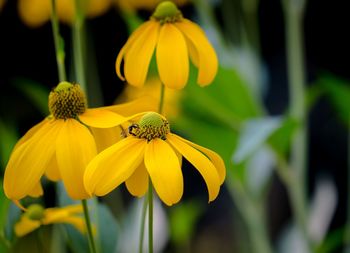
(60, 146)
(36, 216)
(174, 39)
(151, 150)
(2, 3)
(37, 12)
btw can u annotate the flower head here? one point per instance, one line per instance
(175, 39)
(36, 216)
(151, 150)
(60, 146)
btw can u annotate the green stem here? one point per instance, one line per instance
(150, 217)
(59, 43)
(78, 44)
(161, 99)
(294, 11)
(89, 227)
(143, 219)
(4, 241)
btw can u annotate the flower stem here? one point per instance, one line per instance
(294, 11)
(78, 44)
(150, 217)
(88, 226)
(161, 100)
(59, 43)
(143, 219)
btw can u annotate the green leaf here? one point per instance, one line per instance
(4, 206)
(333, 242)
(338, 92)
(35, 92)
(254, 134)
(8, 137)
(183, 219)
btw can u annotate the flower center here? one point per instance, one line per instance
(35, 212)
(167, 12)
(66, 101)
(150, 126)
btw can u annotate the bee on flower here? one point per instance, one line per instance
(152, 151)
(174, 39)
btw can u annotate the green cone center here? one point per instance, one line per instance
(150, 126)
(167, 11)
(66, 101)
(35, 212)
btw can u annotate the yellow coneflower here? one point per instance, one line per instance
(175, 40)
(151, 150)
(36, 216)
(60, 146)
(35, 13)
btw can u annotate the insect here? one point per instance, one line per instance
(134, 129)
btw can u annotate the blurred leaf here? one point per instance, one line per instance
(13, 215)
(36, 92)
(8, 137)
(338, 92)
(183, 219)
(280, 140)
(108, 230)
(254, 134)
(313, 94)
(4, 206)
(227, 100)
(333, 242)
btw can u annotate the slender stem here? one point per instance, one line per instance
(161, 99)
(59, 43)
(78, 44)
(150, 217)
(4, 241)
(294, 11)
(88, 226)
(143, 220)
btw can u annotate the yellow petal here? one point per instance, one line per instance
(164, 169)
(113, 166)
(200, 162)
(34, 12)
(30, 133)
(208, 61)
(101, 118)
(127, 45)
(97, 7)
(213, 156)
(28, 162)
(143, 104)
(75, 147)
(137, 183)
(138, 56)
(106, 137)
(77, 222)
(52, 172)
(172, 57)
(37, 191)
(25, 226)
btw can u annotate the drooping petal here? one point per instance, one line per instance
(34, 13)
(113, 166)
(37, 191)
(25, 226)
(164, 169)
(142, 104)
(127, 45)
(28, 162)
(137, 183)
(138, 56)
(213, 156)
(75, 147)
(172, 57)
(106, 137)
(52, 172)
(101, 118)
(200, 162)
(77, 222)
(208, 61)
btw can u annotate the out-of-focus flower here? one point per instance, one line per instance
(152, 90)
(60, 146)
(37, 12)
(144, 4)
(151, 150)
(36, 216)
(175, 40)
(2, 2)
